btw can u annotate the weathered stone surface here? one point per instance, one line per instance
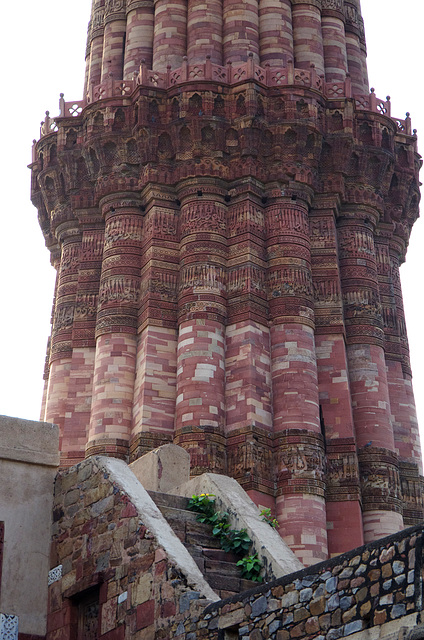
(228, 218)
(28, 465)
(210, 269)
(163, 469)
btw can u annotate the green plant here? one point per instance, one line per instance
(219, 522)
(232, 540)
(267, 517)
(204, 505)
(235, 540)
(251, 568)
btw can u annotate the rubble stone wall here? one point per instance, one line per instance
(369, 587)
(111, 576)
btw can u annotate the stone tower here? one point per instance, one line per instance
(227, 209)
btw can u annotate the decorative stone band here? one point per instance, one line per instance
(412, 493)
(333, 8)
(353, 19)
(246, 216)
(8, 627)
(64, 312)
(314, 3)
(109, 321)
(248, 278)
(97, 24)
(250, 460)
(206, 446)
(342, 472)
(138, 4)
(115, 10)
(299, 460)
(107, 447)
(203, 216)
(145, 442)
(380, 483)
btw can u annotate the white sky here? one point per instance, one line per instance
(43, 56)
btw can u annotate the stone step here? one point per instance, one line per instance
(218, 567)
(186, 526)
(200, 538)
(219, 555)
(205, 558)
(169, 500)
(182, 515)
(222, 561)
(232, 584)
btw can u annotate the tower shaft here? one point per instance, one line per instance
(227, 208)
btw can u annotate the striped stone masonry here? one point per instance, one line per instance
(326, 34)
(227, 209)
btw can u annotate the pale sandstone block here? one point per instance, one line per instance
(162, 469)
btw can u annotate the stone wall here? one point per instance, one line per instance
(118, 570)
(368, 588)
(28, 463)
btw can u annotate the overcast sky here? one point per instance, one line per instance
(43, 55)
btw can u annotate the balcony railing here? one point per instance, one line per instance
(231, 74)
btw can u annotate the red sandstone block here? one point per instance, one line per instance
(56, 620)
(145, 614)
(60, 634)
(115, 634)
(160, 568)
(168, 609)
(128, 511)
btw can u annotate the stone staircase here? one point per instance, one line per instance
(218, 567)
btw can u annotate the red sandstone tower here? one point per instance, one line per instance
(227, 208)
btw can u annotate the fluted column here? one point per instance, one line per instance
(116, 328)
(390, 251)
(355, 47)
(240, 30)
(407, 438)
(204, 31)
(247, 348)
(367, 371)
(96, 36)
(170, 34)
(88, 283)
(55, 261)
(114, 40)
(61, 344)
(343, 500)
(275, 32)
(299, 450)
(87, 59)
(334, 40)
(46, 379)
(411, 448)
(200, 409)
(307, 35)
(156, 370)
(139, 36)
(363, 47)
(83, 336)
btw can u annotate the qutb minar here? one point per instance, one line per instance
(227, 209)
